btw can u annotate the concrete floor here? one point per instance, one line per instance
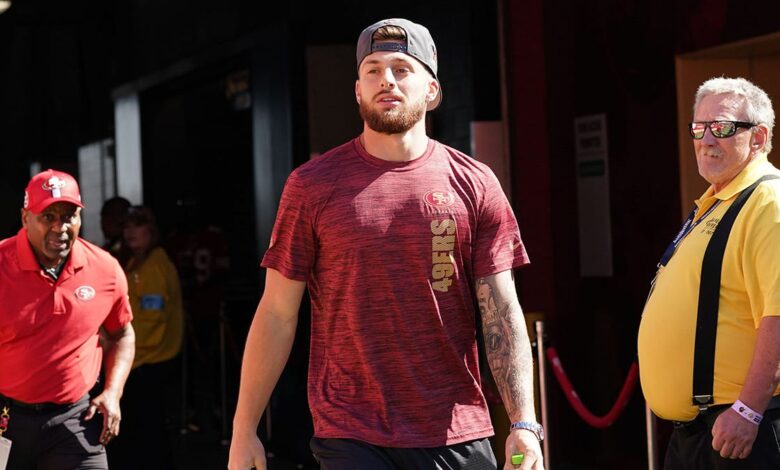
(203, 451)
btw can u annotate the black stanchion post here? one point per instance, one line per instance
(652, 451)
(224, 440)
(541, 367)
(183, 429)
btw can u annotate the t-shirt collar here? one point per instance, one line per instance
(391, 165)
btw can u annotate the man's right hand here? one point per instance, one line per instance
(268, 346)
(246, 452)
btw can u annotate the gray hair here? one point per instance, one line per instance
(758, 106)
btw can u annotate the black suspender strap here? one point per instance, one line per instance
(709, 296)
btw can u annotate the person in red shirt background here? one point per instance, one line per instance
(58, 292)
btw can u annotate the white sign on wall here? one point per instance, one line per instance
(593, 203)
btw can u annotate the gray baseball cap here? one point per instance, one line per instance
(419, 44)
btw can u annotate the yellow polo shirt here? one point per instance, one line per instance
(158, 318)
(750, 290)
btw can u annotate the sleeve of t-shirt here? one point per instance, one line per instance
(292, 247)
(762, 271)
(498, 246)
(121, 313)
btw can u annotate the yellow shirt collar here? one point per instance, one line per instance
(753, 171)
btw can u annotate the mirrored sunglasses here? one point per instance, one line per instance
(719, 129)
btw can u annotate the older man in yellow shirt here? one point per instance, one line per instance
(731, 131)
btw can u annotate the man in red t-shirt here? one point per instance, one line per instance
(57, 293)
(396, 237)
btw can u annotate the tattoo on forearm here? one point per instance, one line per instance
(506, 343)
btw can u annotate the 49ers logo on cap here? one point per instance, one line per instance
(54, 184)
(439, 198)
(85, 293)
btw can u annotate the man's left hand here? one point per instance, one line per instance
(525, 442)
(107, 404)
(733, 435)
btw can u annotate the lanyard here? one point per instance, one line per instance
(684, 231)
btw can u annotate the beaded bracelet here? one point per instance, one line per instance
(747, 413)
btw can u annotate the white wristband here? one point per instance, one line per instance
(747, 413)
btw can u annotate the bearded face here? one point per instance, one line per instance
(395, 120)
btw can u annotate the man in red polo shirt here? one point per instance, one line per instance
(57, 292)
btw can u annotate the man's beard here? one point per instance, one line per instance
(393, 121)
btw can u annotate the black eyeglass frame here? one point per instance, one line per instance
(737, 125)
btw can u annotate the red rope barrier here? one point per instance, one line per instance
(574, 399)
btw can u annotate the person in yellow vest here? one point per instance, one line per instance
(735, 424)
(155, 297)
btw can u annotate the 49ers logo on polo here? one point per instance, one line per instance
(85, 293)
(439, 198)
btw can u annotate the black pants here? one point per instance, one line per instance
(690, 446)
(143, 441)
(55, 437)
(350, 454)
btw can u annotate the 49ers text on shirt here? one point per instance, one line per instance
(442, 246)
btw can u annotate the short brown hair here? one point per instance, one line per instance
(389, 33)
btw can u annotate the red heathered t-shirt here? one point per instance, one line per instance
(49, 343)
(391, 252)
